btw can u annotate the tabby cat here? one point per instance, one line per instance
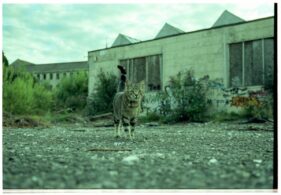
(127, 104)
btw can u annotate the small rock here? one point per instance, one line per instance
(130, 160)
(213, 161)
(160, 155)
(94, 157)
(118, 143)
(257, 161)
(186, 157)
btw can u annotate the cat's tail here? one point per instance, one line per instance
(123, 78)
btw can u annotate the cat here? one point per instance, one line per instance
(127, 104)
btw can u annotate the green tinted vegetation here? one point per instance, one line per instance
(101, 100)
(72, 92)
(188, 97)
(22, 94)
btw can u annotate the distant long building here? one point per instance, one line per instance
(53, 72)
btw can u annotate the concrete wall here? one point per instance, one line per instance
(206, 51)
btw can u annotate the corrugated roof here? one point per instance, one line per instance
(168, 30)
(124, 40)
(52, 67)
(227, 18)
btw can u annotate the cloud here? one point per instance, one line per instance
(45, 33)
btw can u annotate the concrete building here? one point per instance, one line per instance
(234, 52)
(54, 72)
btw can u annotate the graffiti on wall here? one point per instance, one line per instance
(236, 96)
(241, 101)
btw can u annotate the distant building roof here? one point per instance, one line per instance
(168, 30)
(60, 67)
(227, 18)
(124, 40)
(52, 67)
(19, 62)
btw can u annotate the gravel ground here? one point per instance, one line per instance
(183, 156)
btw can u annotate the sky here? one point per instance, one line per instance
(50, 33)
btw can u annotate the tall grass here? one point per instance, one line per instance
(22, 94)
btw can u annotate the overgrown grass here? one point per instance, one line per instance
(23, 95)
(71, 92)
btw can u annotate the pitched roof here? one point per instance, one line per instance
(52, 67)
(124, 40)
(19, 62)
(227, 18)
(168, 30)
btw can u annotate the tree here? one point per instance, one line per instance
(5, 61)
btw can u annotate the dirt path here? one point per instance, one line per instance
(186, 156)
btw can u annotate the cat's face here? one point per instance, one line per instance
(134, 91)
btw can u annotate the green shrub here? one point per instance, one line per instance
(100, 101)
(72, 92)
(187, 101)
(22, 95)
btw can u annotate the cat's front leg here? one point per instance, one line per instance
(133, 122)
(117, 127)
(126, 126)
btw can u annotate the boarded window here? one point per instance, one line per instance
(236, 70)
(250, 62)
(58, 75)
(153, 73)
(51, 76)
(138, 73)
(257, 69)
(268, 61)
(253, 63)
(144, 68)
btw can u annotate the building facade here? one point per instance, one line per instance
(234, 52)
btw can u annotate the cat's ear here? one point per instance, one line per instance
(142, 85)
